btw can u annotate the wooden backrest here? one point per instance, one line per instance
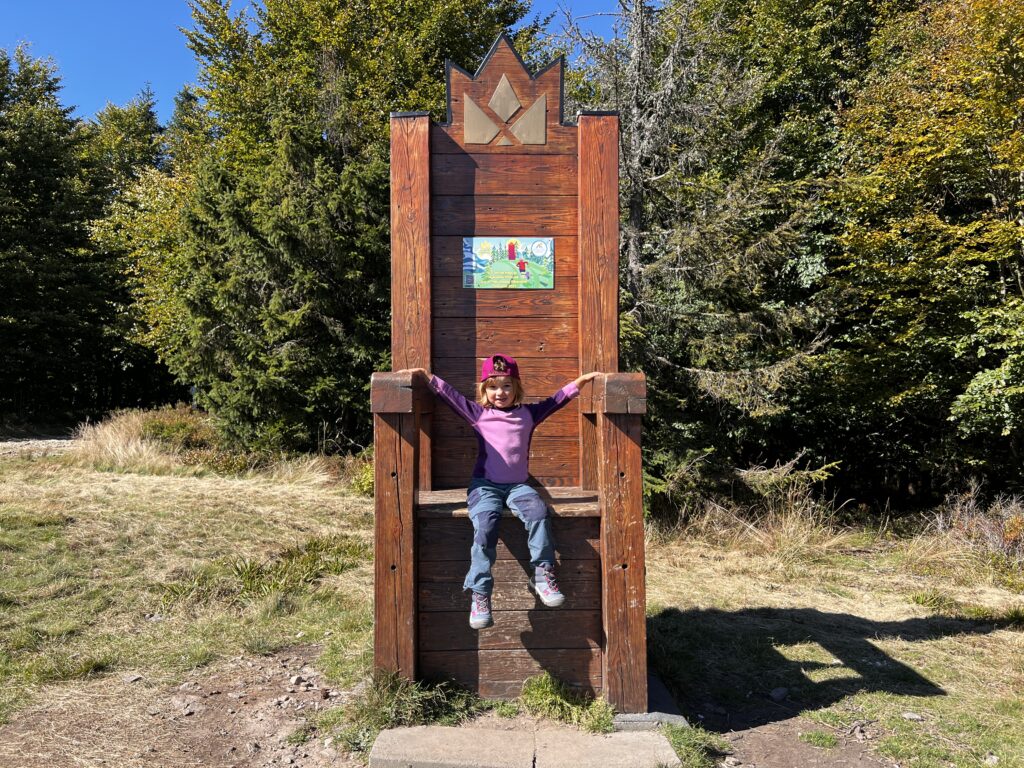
(505, 165)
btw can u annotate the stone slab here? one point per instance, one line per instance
(430, 746)
(571, 749)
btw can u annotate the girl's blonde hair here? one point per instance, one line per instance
(517, 390)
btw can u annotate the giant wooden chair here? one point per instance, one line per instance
(506, 164)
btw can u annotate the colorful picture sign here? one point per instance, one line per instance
(508, 262)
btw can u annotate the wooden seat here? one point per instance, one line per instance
(563, 502)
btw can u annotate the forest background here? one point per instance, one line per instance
(822, 231)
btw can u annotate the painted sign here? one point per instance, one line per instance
(508, 262)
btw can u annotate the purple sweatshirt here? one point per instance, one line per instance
(503, 434)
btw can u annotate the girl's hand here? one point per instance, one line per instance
(586, 377)
(423, 371)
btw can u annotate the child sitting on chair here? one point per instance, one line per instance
(504, 427)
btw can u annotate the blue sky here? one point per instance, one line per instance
(108, 50)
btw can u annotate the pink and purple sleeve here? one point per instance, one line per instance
(455, 400)
(560, 399)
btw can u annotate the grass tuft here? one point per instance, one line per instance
(695, 747)
(544, 696)
(390, 701)
(820, 739)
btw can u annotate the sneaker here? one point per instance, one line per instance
(546, 587)
(480, 613)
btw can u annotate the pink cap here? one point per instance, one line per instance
(499, 365)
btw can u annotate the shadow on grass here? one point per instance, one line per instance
(724, 665)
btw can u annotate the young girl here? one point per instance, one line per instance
(504, 427)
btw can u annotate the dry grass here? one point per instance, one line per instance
(787, 530)
(738, 607)
(119, 444)
(102, 571)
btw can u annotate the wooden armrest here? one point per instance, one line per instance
(399, 392)
(620, 393)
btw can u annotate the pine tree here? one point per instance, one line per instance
(54, 296)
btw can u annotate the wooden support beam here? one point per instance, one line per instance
(395, 471)
(623, 604)
(410, 256)
(598, 244)
(621, 393)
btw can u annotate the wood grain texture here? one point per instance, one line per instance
(505, 174)
(525, 338)
(576, 538)
(511, 596)
(499, 674)
(512, 630)
(451, 299)
(623, 562)
(410, 242)
(454, 479)
(446, 257)
(500, 215)
(599, 241)
(394, 643)
(559, 138)
(515, 573)
(563, 502)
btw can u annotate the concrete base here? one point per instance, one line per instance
(439, 747)
(661, 710)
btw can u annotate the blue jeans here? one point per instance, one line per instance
(486, 501)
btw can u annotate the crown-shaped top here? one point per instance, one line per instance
(505, 107)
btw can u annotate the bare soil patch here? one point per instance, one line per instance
(241, 713)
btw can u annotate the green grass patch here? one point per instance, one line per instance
(389, 701)
(545, 696)
(820, 739)
(167, 574)
(695, 747)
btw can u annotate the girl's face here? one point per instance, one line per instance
(500, 392)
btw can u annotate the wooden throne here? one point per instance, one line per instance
(507, 165)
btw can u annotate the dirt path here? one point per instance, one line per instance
(241, 714)
(33, 447)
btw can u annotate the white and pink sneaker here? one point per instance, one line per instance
(545, 585)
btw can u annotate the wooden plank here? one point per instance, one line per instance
(576, 538)
(599, 271)
(512, 630)
(567, 502)
(623, 603)
(526, 337)
(563, 502)
(449, 596)
(599, 240)
(410, 242)
(563, 423)
(512, 572)
(446, 140)
(457, 479)
(501, 673)
(483, 173)
(410, 256)
(497, 215)
(394, 643)
(451, 299)
(621, 393)
(446, 257)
